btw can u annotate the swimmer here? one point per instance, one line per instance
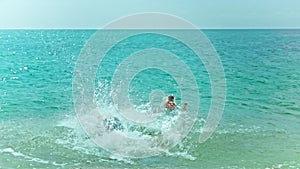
(171, 105)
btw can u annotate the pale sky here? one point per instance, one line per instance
(94, 14)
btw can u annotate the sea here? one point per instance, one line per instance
(259, 128)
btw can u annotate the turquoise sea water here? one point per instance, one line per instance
(260, 127)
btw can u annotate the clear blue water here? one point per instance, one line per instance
(259, 128)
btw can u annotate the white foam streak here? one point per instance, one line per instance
(19, 154)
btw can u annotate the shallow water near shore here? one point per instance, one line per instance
(259, 127)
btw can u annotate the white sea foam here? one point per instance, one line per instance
(19, 154)
(183, 154)
(68, 121)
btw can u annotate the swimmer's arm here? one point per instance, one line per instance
(184, 106)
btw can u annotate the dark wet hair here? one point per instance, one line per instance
(171, 97)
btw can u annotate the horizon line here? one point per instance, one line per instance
(205, 28)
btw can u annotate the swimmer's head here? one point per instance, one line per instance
(171, 98)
